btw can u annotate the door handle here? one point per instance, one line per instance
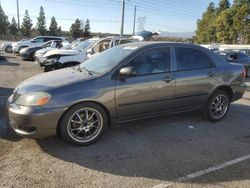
(210, 74)
(167, 79)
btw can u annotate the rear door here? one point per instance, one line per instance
(195, 77)
(151, 91)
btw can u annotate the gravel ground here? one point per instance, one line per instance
(154, 152)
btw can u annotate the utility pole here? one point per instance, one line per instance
(18, 18)
(134, 21)
(122, 23)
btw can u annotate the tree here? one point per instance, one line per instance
(75, 29)
(241, 26)
(224, 24)
(206, 31)
(53, 28)
(223, 5)
(4, 23)
(13, 27)
(41, 22)
(87, 31)
(26, 25)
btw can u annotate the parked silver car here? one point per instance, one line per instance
(124, 83)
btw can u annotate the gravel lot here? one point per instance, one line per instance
(147, 153)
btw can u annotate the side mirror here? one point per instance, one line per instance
(230, 59)
(127, 72)
(90, 51)
(33, 41)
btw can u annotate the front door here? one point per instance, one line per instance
(151, 91)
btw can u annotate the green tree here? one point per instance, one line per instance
(26, 25)
(4, 23)
(224, 24)
(53, 28)
(206, 31)
(13, 27)
(87, 31)
(223, 5)
(75, 29)
(41, 22)
(241, 26)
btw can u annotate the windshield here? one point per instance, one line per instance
(82, 45)
(107, 60)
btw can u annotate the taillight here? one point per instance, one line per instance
(243, 73)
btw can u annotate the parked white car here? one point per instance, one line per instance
(17, 46)
(52, 46)
(56, 59)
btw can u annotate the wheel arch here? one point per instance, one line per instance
(225, 88)
(87, 101)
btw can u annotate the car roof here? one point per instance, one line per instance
(159, 43)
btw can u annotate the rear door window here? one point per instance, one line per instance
(189, 59)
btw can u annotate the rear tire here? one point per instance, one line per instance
(83, 124)
(217, 106)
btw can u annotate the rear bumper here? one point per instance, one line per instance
(239, 91)
(34, 122)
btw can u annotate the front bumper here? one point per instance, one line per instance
(25, 55)
(34, 122)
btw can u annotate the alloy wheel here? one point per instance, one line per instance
(85, 125)
(219, 106)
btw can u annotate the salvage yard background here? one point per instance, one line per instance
(147, 153)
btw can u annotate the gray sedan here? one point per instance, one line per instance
(128, 82)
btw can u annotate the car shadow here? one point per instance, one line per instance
(5, 130)
(4, 62)
(164, 148)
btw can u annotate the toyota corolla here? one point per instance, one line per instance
(124, 83)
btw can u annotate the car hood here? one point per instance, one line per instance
(61, 52)
(47, 82)
(33, 48)
(44, 50)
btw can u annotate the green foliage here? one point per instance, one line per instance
(87, 31)
(223, 5)
(53, 28)
(13, 27)
(41, 22)
(4, 23)
(225, 24)
(75, 29)
(26, 25)
(206, 31)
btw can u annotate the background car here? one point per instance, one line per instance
(6, 47)
(85, 50)
(17, 46)
(65, 45)
(29, 52)
(238, 57)
(127, 82)
(61, 58)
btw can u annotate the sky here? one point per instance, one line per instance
(105, 15)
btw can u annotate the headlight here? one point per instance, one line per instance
(33, 99)
(50, 61)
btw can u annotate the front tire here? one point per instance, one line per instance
(217, 106)
(83, 124)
